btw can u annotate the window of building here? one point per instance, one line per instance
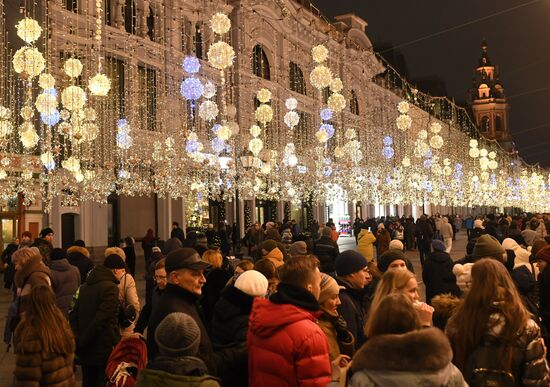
(485, 124)
(147, 79)
(354, 103)
(71, 5)
(115, 69)
(260, 64)
(296, 78)
(198, 42)
(109, 13)
(326, 93)
(151, 25)
(130, 17)
(498, 123)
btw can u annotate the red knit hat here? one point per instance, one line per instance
(544, 254)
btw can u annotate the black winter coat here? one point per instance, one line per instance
(215, 282)
(326, 250)
(544, 299)
(80, 257)
(352, 310)
(94, 317)
(438, 275)
(229, 327)
(65, 283)
(177, 299)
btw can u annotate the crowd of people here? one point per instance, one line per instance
(292, 310)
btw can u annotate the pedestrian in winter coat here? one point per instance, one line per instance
(147, 244)
(438, 274)
(229, 326)
(216, 279)
(447, 234)
(8, 266)
(365, 243)
(352, 273)
(285, 345)
(326, 250)
(493, 314)
(44, 344)
(543, 263)
(177, 232)
(185, 271)
(383, 240)
(80, 257)
(30, 271)
(178, 338)
(521, 255)
(424, 235)
(340, 339)
(400, 353)
(130, 252)
(269, 250)
(94, 320)
(160, 279)
(65, 279)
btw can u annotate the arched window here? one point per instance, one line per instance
(198, 41)
(354, 103)
(260, 64)
(498, 123)
(485, 124)
(296, 78)
(151, 25)
(71, 5)
(130, 16)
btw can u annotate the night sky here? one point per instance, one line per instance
(518, 42)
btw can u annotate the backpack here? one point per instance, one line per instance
(484, 368)
(127, 359)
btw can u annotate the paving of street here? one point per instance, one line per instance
(7, 359)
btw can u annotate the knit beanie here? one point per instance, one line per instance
(329, 287)
(115, 250)
(349, 262)
(388, 257)
(178, 335)
(45, 231)
(298, 248)
(544, 254)
(463, 274)
(488, 246)
(537, 246)
(437, 245)
(58, 254)
(396, 244)
(253, 283)
(114, 261)
(478, 223)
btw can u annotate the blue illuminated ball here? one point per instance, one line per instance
(326, 114)
(191, 65)
(191, 89)
(51, 119)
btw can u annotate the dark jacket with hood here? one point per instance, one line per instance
(65, 283)
(417, 358)
(177, 299)
(352, 309)
(94, 317)
(438, 275)
(175, 372)
(216, 280)
(326, 250)
(80, 257)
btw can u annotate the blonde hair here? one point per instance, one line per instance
(214, 258)
(22, 256)
(116, 251)
(395, 315)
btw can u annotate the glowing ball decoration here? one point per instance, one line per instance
(422, 134)
(321, 136)
(388, 152)
(350, 134)
(191, 65)
(255, 130)
(46, 103)
(319, 53)
(99, 85)
(46, 81)
(264, 114)
(28, 61)
(5, 113)
(473, 143)
(209, 90)
(29, 138)
(474, 152)
(224, 133)
(28, 29)
(217, 144)
(403, 122)
(406, 162)
(483, 152)
(51, 119)
(291, 103)
(292, 160)
(73, 67)
(263, 95)
(436, 142)
(387, 141)
(291, 119)
(208, 110)
(47, 160)
(403, 107)
(191, 89)
(255, 146)
(221, 55)
(220, 23)
(435, 127)
(320, 77)
(336, 102)
(326, 114)
(336, 85)
(328, 129)
(73, 98)
(72, 164)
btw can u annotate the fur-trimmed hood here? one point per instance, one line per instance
(418, 358)
(420, 350)
(77, 249)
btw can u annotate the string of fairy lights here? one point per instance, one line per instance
(98, 99)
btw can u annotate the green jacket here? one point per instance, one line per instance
(168, 371)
